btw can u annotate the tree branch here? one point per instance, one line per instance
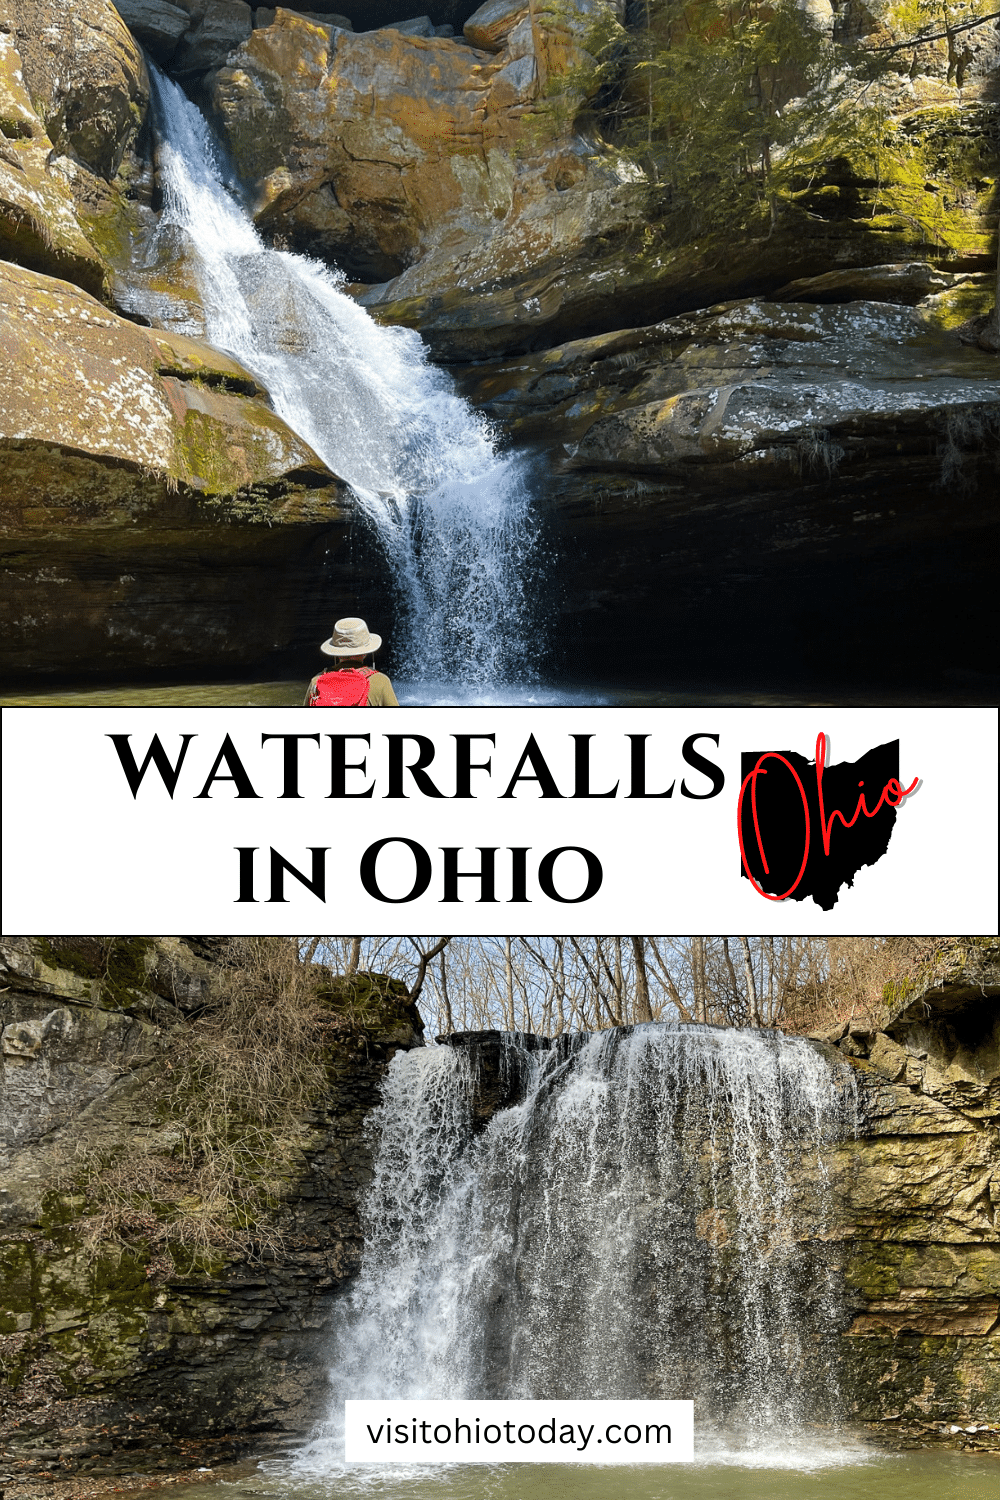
(425, 959)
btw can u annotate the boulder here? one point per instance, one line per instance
(86, 78)
(157, 24)
(220, 29)
(419, 26)
(456, 158)
(491, 25)
(150, 499)
(39, 226)
(265, 17)
(73, 96)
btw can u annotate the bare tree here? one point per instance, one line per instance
(751, 982)
(554, 984)
(643, 1011)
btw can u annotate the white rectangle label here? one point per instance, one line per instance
(477, 820)
(527, 1432)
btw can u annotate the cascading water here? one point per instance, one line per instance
(647, 1223)
(452, 514)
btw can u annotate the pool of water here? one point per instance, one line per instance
(825, 1470)
(289, 692)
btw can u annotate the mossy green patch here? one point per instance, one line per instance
(117, 964)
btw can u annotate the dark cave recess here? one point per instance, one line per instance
(370, 14)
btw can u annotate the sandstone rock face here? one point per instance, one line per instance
(128, 453)
(471, 185)
(115, 1355)
(491, 25)
(922, 1206)
(739, 477)
(456, 155)
(222, 26)
(73, 96)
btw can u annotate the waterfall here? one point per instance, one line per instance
(648, 1222)
(452, 513)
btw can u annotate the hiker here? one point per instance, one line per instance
(350, 684)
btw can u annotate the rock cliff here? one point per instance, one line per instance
(757, 415)
(921, 1192)
(749, 477)
(126, 1346)
(114, 1346)
(73, 101)
(911, 1209)
(147, 476)
(482, 187)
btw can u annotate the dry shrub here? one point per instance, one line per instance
(239, 1081)
(864, 974)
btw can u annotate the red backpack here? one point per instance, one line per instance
(345, 689)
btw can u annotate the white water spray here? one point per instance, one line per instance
(452, 514)
(648, 1223)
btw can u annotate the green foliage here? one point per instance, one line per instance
(745, 114)
(718, 102)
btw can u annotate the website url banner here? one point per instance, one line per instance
(538, 1432)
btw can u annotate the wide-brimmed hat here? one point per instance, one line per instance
(351, 637)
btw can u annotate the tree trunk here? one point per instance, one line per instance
(751, 982)
(643, 1011)
(509, 979)
(449, 1022)
(698, 979)
(731, 971)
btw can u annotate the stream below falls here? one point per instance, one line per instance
(818, 1472)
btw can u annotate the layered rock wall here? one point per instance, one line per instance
(149, 498)
(921, 1190)
(117, 1354)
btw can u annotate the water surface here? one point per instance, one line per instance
(289, 692)
(829, 1471)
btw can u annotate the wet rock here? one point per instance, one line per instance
(498, 1062)
(724, 477)
(132, 458)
